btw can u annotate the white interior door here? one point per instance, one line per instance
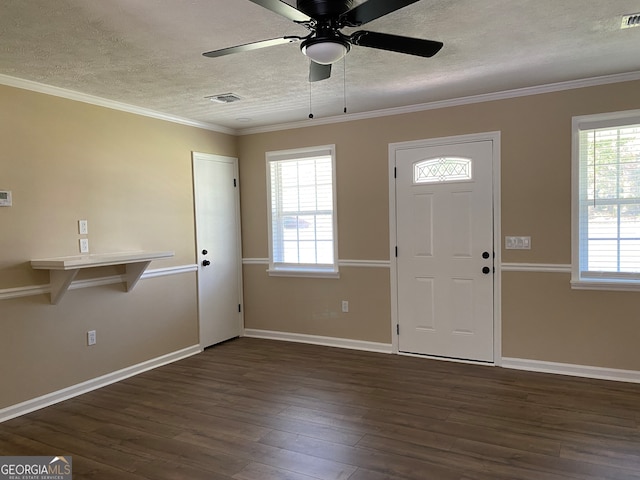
(217, 208)
(444, 265)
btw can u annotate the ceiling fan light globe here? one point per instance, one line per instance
(325, 52)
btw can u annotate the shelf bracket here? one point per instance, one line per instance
(59, 281)
(133, 273)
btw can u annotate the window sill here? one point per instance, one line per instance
(611, 285)
(305, 273)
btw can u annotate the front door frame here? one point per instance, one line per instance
(497, 279)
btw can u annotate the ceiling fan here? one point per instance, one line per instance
(326, 44)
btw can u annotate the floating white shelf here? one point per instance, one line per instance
(62, 270)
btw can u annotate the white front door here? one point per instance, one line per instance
(217, 207)
(445, 253)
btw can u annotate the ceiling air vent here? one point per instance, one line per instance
(224, 98)
(632, 20)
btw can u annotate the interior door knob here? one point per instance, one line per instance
(206, 263)
(486, 270)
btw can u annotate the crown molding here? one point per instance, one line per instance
(112, 104)
(454, 102)
(348, 117)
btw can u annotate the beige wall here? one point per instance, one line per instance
(542, 318)
(130, 177)
(312, 307)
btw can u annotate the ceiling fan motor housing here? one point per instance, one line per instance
(324, 8)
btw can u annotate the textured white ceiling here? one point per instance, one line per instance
(148, 53)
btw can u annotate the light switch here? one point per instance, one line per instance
(517, 243)
(5, 198)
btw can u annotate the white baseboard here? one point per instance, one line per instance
(618, 375)
(632, 376)
(319, 340)
(13, 411)
(93, 384)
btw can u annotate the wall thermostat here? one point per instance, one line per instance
(5, 198)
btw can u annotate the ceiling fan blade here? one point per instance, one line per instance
(251, 46)
(284, 9)
(396, 43)
(318, 72)
(368, 11)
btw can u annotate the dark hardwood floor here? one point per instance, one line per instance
(254, 409)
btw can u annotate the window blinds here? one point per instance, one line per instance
(609, 198)
(302, 210)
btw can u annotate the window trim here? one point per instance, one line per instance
(592, 281)
(303, 270)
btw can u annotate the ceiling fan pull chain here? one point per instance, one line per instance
(310, 106)
(344, 82)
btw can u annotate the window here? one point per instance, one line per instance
(302, 217)
(442, 169)
(606, 201)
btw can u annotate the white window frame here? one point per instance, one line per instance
(300, 269)
(592, 280)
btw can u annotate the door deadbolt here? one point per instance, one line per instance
(204, 252)
(485, 255)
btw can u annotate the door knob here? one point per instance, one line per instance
(206, 263)
(486, 270)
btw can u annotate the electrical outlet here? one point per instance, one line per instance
(84, 245)
(91, 337)
(345, 306)
(83, 227)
